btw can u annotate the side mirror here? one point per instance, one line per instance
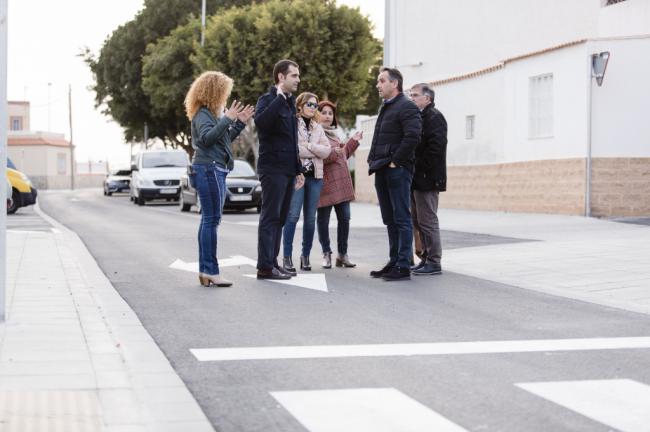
(134, 167)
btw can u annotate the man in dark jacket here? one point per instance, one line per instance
(429, 180)
(278, 164)
(391, 159)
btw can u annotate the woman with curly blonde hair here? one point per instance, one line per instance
(213, 129)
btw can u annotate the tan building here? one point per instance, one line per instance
(18, 116)
(43, 156)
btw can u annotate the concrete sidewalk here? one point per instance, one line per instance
(594, 260)
(73, 355)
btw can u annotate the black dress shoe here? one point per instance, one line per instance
(283, 271)
(397, 273)
(420, 265)
(273, 274)
(428, 269)
(383, 271)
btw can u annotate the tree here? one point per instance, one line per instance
(167, 74)
(332, 44)
(118, 68)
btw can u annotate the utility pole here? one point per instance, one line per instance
(72, 162)
(203, 23)
(49, 102)
(4, 122)
(146, 135)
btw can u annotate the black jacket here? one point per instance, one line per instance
(431, 152)
(277, 126)
(397, 132)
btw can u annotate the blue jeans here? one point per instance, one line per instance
(342, 229)
(211, 187)
(393, 187)
(305, 198)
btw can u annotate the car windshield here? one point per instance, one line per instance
(241, 169)
(164, 160)
(10, 164)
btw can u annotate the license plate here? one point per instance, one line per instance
(241, 198)
(168, 191)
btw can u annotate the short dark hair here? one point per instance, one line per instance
(282, 67)
(426, 91)
(394, 75)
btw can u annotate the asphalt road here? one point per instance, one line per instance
(466, 387)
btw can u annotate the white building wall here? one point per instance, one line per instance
(621, 117)
(630, 17)
(570, 69)
(482, 97)
(30, 160)
(460, 36)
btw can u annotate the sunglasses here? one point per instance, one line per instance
(311, 105)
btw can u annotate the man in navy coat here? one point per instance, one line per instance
(278, 164)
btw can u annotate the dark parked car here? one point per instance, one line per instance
(117, 181)
(243, 190)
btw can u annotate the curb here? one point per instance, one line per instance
(148, 394)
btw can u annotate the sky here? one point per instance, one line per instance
(44, 40)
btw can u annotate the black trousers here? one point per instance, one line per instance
(277, 190)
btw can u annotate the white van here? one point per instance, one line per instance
(156, 174)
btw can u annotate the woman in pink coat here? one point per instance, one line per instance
(338, 190)
(313, 148)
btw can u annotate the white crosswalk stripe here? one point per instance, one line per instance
(620, 403)
(438, 348)
(362, 410)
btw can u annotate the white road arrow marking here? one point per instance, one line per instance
(179, 264)
(619, 403)
(233, 261)
(362, 410)
(315, 281)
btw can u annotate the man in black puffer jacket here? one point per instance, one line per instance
(391, 159)
(429, 180)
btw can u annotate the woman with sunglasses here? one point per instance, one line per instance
(338, 189)
(313, 148)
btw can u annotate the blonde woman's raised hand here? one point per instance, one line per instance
(235, 108)
(246, 113)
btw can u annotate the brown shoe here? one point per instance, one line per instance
(217, 280)
(344, 261)
(272, 274)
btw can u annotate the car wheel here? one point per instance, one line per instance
(15, 202)
(105, 192)
(109, 193)
(140, 200)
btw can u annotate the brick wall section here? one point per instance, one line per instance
(620, 187)
(548, 186)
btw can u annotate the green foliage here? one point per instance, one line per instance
(332, 44)
(146, 66)
(118, 68)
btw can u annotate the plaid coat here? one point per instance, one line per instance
(337, 183)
